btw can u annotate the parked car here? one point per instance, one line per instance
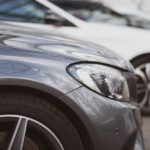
(132, 43)
(95, 11)
(92, 11)
(64, 94)
(133, 10)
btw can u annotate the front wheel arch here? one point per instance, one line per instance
(69, 113)
(139, 57)
(141, 65)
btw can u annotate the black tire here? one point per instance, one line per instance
(37, 108)
(140, 63)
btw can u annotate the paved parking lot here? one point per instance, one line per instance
(146, 131)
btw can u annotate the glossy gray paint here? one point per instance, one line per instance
(38, 59)
(114, 124)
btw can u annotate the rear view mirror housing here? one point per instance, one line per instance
(54, 19)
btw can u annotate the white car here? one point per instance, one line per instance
(119, 12)
(132, 43)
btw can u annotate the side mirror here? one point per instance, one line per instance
(54, 19)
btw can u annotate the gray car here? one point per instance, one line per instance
(57, 93)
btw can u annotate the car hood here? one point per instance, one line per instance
(126, 41)
(51, 45)
(129, 42)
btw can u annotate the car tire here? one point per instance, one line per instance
(142, 70)
(40, 124)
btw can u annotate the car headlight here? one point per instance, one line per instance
(102, 79)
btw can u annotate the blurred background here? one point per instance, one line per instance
(131, 5)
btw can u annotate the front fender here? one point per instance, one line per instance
(50, 78)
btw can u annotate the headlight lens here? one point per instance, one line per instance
(104, 80)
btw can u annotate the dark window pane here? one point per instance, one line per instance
(22, 10)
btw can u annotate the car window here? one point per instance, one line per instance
(98, 16)
(138, 21)
(22, 10)
(91, 11)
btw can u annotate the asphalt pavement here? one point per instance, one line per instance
(146, 132)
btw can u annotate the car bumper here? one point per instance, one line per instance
(112, 125)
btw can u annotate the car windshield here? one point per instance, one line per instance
(32, 11)
(139, 22)
(22, 10)
(91, 11)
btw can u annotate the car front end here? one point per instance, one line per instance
(109, 105)
(80, 94)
